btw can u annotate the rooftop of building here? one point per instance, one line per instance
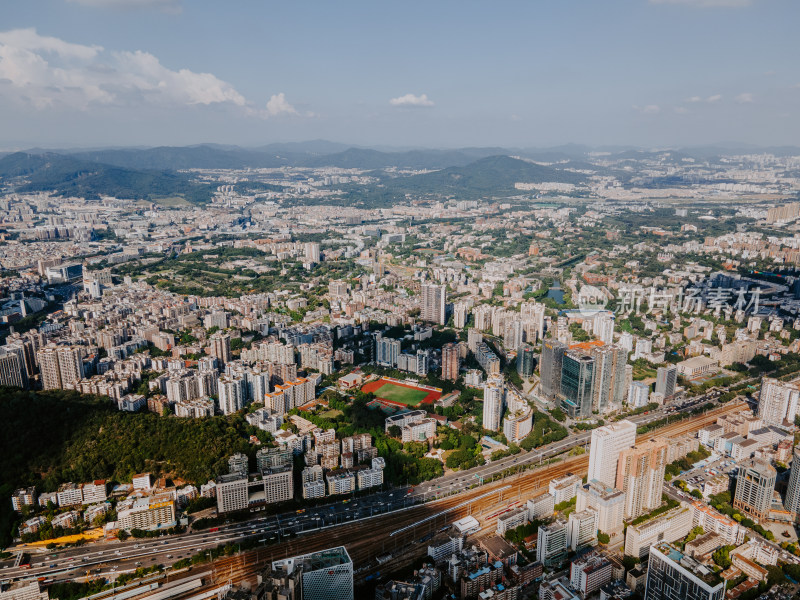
(697, 569)
(313, 561)
(601, 489)
(497, 547)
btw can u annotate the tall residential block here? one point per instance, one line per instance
(609, 504)
(792, 502)
(433, 303)
(607, 443)
(12, 370)
(494, 395)
(582, 529)
(221, 347)
(551, 546)
(755, 484)
(666, 378)
(312, 252)
(778, 401)
(608, 387)
(450, 362)
(60, 366)
(640, 476)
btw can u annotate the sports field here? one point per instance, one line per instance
(400, 393)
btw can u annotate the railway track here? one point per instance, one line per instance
(368, 538)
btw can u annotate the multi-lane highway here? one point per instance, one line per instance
(461, 480)
(108, 558)
(119, 556)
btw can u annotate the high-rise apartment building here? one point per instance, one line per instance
(450, 362)
(48, 368)
(60, 366)
(518, 424)
(387, 350)
(551, 546)
(608, 387)
(582, 529)
(221, 347)
(312, 252)
(778, 401)
(672, 575)
(433, 303)
(608, 502)
(513, 334)
(607, 443)
(640, 476)
(12, 370)
(494, 394)
(755, 484)
(474, 339)
(231, 394)
(70, 364)
(577, 378)
(638, 394)
(792, 502)
(666, 378)
(550, 367)
(460, 314)
(216, 318)
(604, 327)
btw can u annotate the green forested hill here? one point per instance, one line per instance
(487, 176)
(47, 438)
(69, 176)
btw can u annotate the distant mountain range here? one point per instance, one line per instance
(148, 173)
(280, 155)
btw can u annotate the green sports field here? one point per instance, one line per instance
(399, 393)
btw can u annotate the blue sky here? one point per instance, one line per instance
(430, 73)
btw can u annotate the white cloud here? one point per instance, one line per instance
(710, 99)
(707, 3)
(48, 72)
(650, 109)
(30, 41)
(278, 105)
(412, 100)
(681, 110)
(745, 98)
(168, 6)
